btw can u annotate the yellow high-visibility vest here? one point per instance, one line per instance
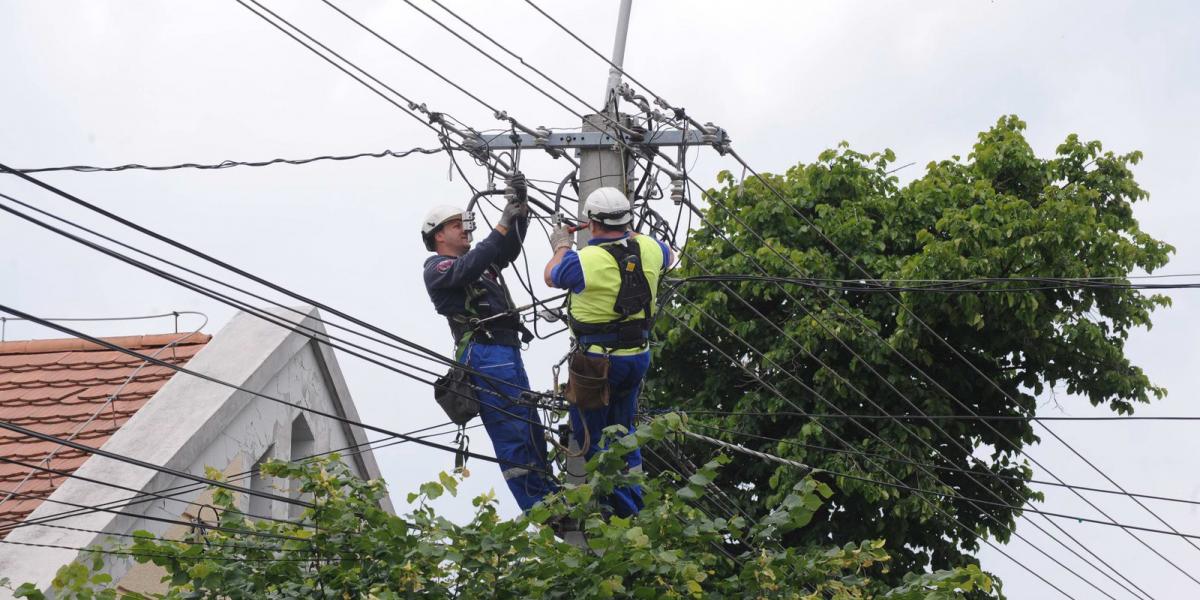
(602, 281)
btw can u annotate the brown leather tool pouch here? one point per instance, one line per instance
(587, 381)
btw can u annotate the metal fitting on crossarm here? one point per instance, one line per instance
(716, 137)
(541, 139)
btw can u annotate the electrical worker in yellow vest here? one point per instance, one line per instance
(613, 285)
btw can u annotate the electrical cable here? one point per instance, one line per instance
(172, 493)
(226, 164)
(891, 416)
(432, 355)
(317, 336)
(679, 112)
(784, 461)
(966, 287)
(935, 466)
(198, 557)
(514, 55)
(158, 519)
(233, 386)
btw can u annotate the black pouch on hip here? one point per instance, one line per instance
(454, 393)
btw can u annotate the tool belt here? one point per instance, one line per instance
(617, 335)
(505, 331)
(587, 380)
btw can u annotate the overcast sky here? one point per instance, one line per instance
(156, 82)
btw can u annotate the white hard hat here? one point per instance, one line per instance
(438, 216)
(609, 206)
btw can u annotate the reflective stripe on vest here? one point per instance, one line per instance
(602, 281)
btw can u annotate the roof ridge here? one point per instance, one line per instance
(132, 342)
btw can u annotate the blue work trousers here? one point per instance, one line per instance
(518, 442)
(625, 374)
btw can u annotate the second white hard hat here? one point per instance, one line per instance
(609, 206)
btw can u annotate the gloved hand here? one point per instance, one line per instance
(517, 187)
(560, 238)
(513, 210)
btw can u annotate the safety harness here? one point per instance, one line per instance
(633, 297)
(486, 324)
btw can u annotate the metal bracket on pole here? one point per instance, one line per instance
(600, 140)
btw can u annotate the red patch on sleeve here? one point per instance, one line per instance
(445, 265)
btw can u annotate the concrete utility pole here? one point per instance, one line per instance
(606, 167)
(600, 167)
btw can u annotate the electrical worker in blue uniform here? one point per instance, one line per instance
(613, 284)
(466, 287)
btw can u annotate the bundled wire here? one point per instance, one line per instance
(228, 164)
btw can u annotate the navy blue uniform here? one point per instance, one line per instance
(470, 286)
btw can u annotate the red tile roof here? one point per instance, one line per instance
(56, 386)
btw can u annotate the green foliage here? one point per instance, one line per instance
(350, 548)
(1002, 212)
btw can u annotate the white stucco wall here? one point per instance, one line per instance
(190, 424)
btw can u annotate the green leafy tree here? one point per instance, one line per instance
(347, 547)
(1003, 212)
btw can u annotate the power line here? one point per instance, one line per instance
(194, 525)
(181, 556)
(679, 112)
(935, 466)
(917, 490)
(481, 51)
(891, 416)
(969, 286)
(158, 519)
(138, 462)
(315, 335)
(177, 313)
(173, 492)
(227, 164)
(232, 386)
(412, 346)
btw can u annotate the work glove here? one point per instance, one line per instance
(560, 237)
(515, 209)
(518, 188)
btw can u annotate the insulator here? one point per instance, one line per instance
(677, 188)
